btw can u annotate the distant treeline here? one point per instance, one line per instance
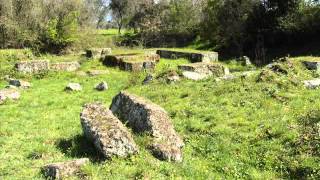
(237, 27)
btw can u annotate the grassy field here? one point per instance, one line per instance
(261, 127)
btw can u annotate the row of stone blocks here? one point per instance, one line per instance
(132, 62)
(105, 128)
(45, 65)
(192, 56)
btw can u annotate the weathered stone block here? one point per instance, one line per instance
(9, 94)
(312, 65)
(73, 87)
(96, 53)
(97, 72)
(65, 66)
(193, 57)
(33, 66)
(144, 116)
(19, 83)
(131, 62)
(312, 84)
(64, 169)
(108, 134)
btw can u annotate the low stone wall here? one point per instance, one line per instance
(144, 116)
(44, 65)
(193, 57)
(33, 66)
(65, 66)
(108, 134)
(133, 63)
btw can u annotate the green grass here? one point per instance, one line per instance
(239, 129)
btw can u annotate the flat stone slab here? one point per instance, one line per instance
(9, 94)
(97, 72)
(312, 65)
(64, 169)
(33, 66)
(144, 116)
(192, 56)
(202, 70)
(65, 66)
(312, 84)
(108, 134)
(97, 53)
(132, 62)
(73, 87)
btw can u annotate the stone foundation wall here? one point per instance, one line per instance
(65, 66)
(193, 57)
(214, 69)
(33, 66)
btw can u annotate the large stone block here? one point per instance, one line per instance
(64, 169)
(65, 66)
(106, 131)
(96, 53)
(132, 62)
(312, 84)
(33, 66)
(192, 56)
(202, 70)
(144, 116)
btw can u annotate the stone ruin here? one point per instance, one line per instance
(132, 62)
(98, 53)
(192, 56)
(44, 65)
(108, 134)
(33, 66)
(144, 116)
(202, 70)
(65, 66)
(64, 169)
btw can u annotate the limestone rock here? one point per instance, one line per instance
(312, 84)
(19, 83)
(33, 66)
(96, 53)
(194, 75)
(145, 116)
(108, 134)
(102, 86)
(9, 94)
(245, 60)
(65, 66)
(64, 169)
(173, 78)
(73, 87)
(192, 56)
(209, 69)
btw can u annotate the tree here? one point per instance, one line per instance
(119, 8)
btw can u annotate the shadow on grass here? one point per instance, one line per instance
(79, 147)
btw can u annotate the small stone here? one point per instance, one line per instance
(148, 79)
(174, 78)
(102, 86)
(64, 169)
(312, 84)
(9, 94)
(74, 87)
(312, 65)
(19, 83)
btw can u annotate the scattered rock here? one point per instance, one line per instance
(102, 86)
(312, 84)
(97, 72)
(144, 116)
(19, 83)
(65, 66)
(81, 73)
(148, 79)
(74, 87)
(9, 94)
(33, 66)
(107, 132)
(193, 57)
(64, 169)
(312, 65)
(173, 78)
